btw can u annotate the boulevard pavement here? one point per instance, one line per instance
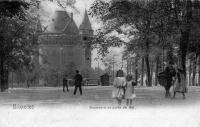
(94, 95)
(53, 108)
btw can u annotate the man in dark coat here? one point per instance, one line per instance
(170, 73)
(65, 83)
(78, 82)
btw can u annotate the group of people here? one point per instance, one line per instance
(177, 78)
(77, 83)
(123, 88)
(180, 83)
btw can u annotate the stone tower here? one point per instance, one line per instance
(86, 33)
(61, 49)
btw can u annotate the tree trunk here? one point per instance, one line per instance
(2, 75)
(12, 80)
(183, 50)
(127, 66)
(190, 71)
(156, 71)
(132, 67)
(152, 69)
(148, 70)
(27, 83)
(6, 76)
(199, 71)
(136, 69)
(163, 58)
(184, 40)
(1, 78)
(17, 83)
(142, 73)
(194, 71)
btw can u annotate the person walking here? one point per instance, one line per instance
(65, 84)
(78, 82)
(130, 91)
(170, 73)
(180, 83)
(119, 86)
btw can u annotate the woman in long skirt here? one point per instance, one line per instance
(180, 83)
(119, 86)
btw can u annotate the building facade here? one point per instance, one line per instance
(64, 48)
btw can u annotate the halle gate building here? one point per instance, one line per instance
(64, 48)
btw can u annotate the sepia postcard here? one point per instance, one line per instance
(99, 63)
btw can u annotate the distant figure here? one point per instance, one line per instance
(130, 92)
(180, 83)
(119, 86)
(65, 83)
(170, 73)
(78, 82)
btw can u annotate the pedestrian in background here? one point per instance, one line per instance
(170, 72)
(180, 83)
(65, 84)
(78, 82)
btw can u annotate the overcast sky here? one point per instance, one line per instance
(81, 5)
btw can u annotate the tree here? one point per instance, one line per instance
(140, 17)
(112, 61)
(175, 22)
(70, 69)
(194, 38)
(183, 16)
(67, 4)
(16, 43)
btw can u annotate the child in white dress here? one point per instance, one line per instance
(118, 86)
(130, 92)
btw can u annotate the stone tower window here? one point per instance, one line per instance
(84, 38)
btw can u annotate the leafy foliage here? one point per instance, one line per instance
(18, 36)
(194, 45)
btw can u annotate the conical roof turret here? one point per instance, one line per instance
(85, 25)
